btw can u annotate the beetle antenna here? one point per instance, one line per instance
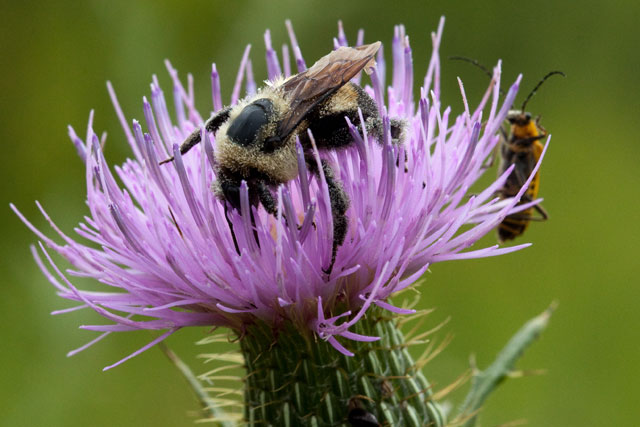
(477, 64)
(524, 104)
(473, 62)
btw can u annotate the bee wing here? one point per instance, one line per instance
(307, 89)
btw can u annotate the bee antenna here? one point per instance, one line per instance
(473, 62)
(524, 104)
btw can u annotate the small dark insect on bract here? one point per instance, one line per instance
(360, 417)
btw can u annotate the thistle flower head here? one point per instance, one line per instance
(158, 239)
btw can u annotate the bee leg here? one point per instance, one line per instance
(397, 137)
(254, 228)
(375, 127)
(254, 199)
(373, 124)
(266, 198)
(397, 131)
(233, 234)
(210, 125)
(228, 188)
(339, 205)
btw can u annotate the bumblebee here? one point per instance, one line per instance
(522, 148)
(256, 139)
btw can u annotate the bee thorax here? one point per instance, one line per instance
(280, 165)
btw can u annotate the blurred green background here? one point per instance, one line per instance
(56, 57)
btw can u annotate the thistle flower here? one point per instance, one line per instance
(161, 241)
(161, 244)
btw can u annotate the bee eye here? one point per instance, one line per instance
(244, 128)
(527, 116)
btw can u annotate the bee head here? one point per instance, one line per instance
(245, 129)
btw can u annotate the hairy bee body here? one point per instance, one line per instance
(326, 121)
(256, 139)
(253, 160)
